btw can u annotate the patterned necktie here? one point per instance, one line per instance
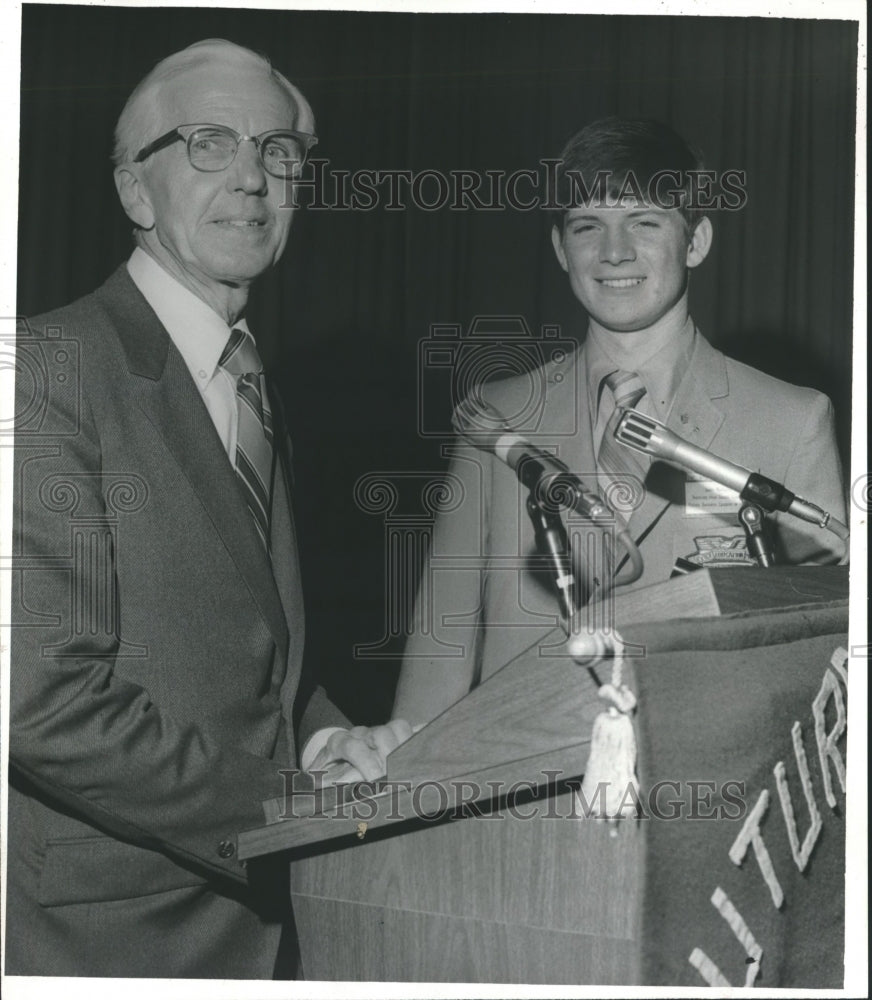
(614, 458)
(254, 437)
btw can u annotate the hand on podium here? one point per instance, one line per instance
(358, 754)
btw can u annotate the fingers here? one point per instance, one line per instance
(365, 749)
(340, 758)
(322, 759)
(335, 753)
(389, 737)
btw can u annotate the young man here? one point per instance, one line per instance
(628, 240)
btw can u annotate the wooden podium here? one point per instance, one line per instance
(472, 863)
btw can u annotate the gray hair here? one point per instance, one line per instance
(139, 122)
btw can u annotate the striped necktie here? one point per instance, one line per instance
(613, 458)
(254, 436)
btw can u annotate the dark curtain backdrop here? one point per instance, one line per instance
(342, 317)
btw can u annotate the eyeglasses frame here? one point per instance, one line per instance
(176, 135)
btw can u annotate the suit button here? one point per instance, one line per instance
(226, 849)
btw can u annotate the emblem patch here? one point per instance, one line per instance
(720, 550)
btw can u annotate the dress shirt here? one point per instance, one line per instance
(661, 370)
(200, 335)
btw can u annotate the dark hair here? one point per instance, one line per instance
(615, 155)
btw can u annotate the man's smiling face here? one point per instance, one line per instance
(628, 266)
(228, 227)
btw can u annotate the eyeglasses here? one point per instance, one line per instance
(213, 147)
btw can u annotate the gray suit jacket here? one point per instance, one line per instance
(155, 659)
(478, 618)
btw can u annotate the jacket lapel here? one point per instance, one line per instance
(161, 385)
(695, 418)
(567, 399)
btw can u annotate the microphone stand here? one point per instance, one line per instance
(752, 519)
(551, 537)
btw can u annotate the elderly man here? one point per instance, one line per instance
(629, 237)
(155, 668)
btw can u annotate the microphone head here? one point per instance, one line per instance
(636, 430)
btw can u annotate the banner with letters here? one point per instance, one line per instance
(742, 757)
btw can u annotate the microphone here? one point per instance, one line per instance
(638, 431)
(484, 427)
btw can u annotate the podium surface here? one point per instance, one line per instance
(740, 728)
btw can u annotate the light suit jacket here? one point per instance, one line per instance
(155, 660)
(485, 601)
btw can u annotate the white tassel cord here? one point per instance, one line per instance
(610, 788)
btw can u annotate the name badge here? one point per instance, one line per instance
(705, 497)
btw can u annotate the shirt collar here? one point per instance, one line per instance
(661, 372)
(198, 332)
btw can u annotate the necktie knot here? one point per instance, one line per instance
(627, 469)
(626, 387)
(240, 356)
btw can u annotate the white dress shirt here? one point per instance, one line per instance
(200, 335)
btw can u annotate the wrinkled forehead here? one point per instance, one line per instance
(219, 92)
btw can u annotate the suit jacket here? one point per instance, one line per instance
(472, 619)
(155, 660)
